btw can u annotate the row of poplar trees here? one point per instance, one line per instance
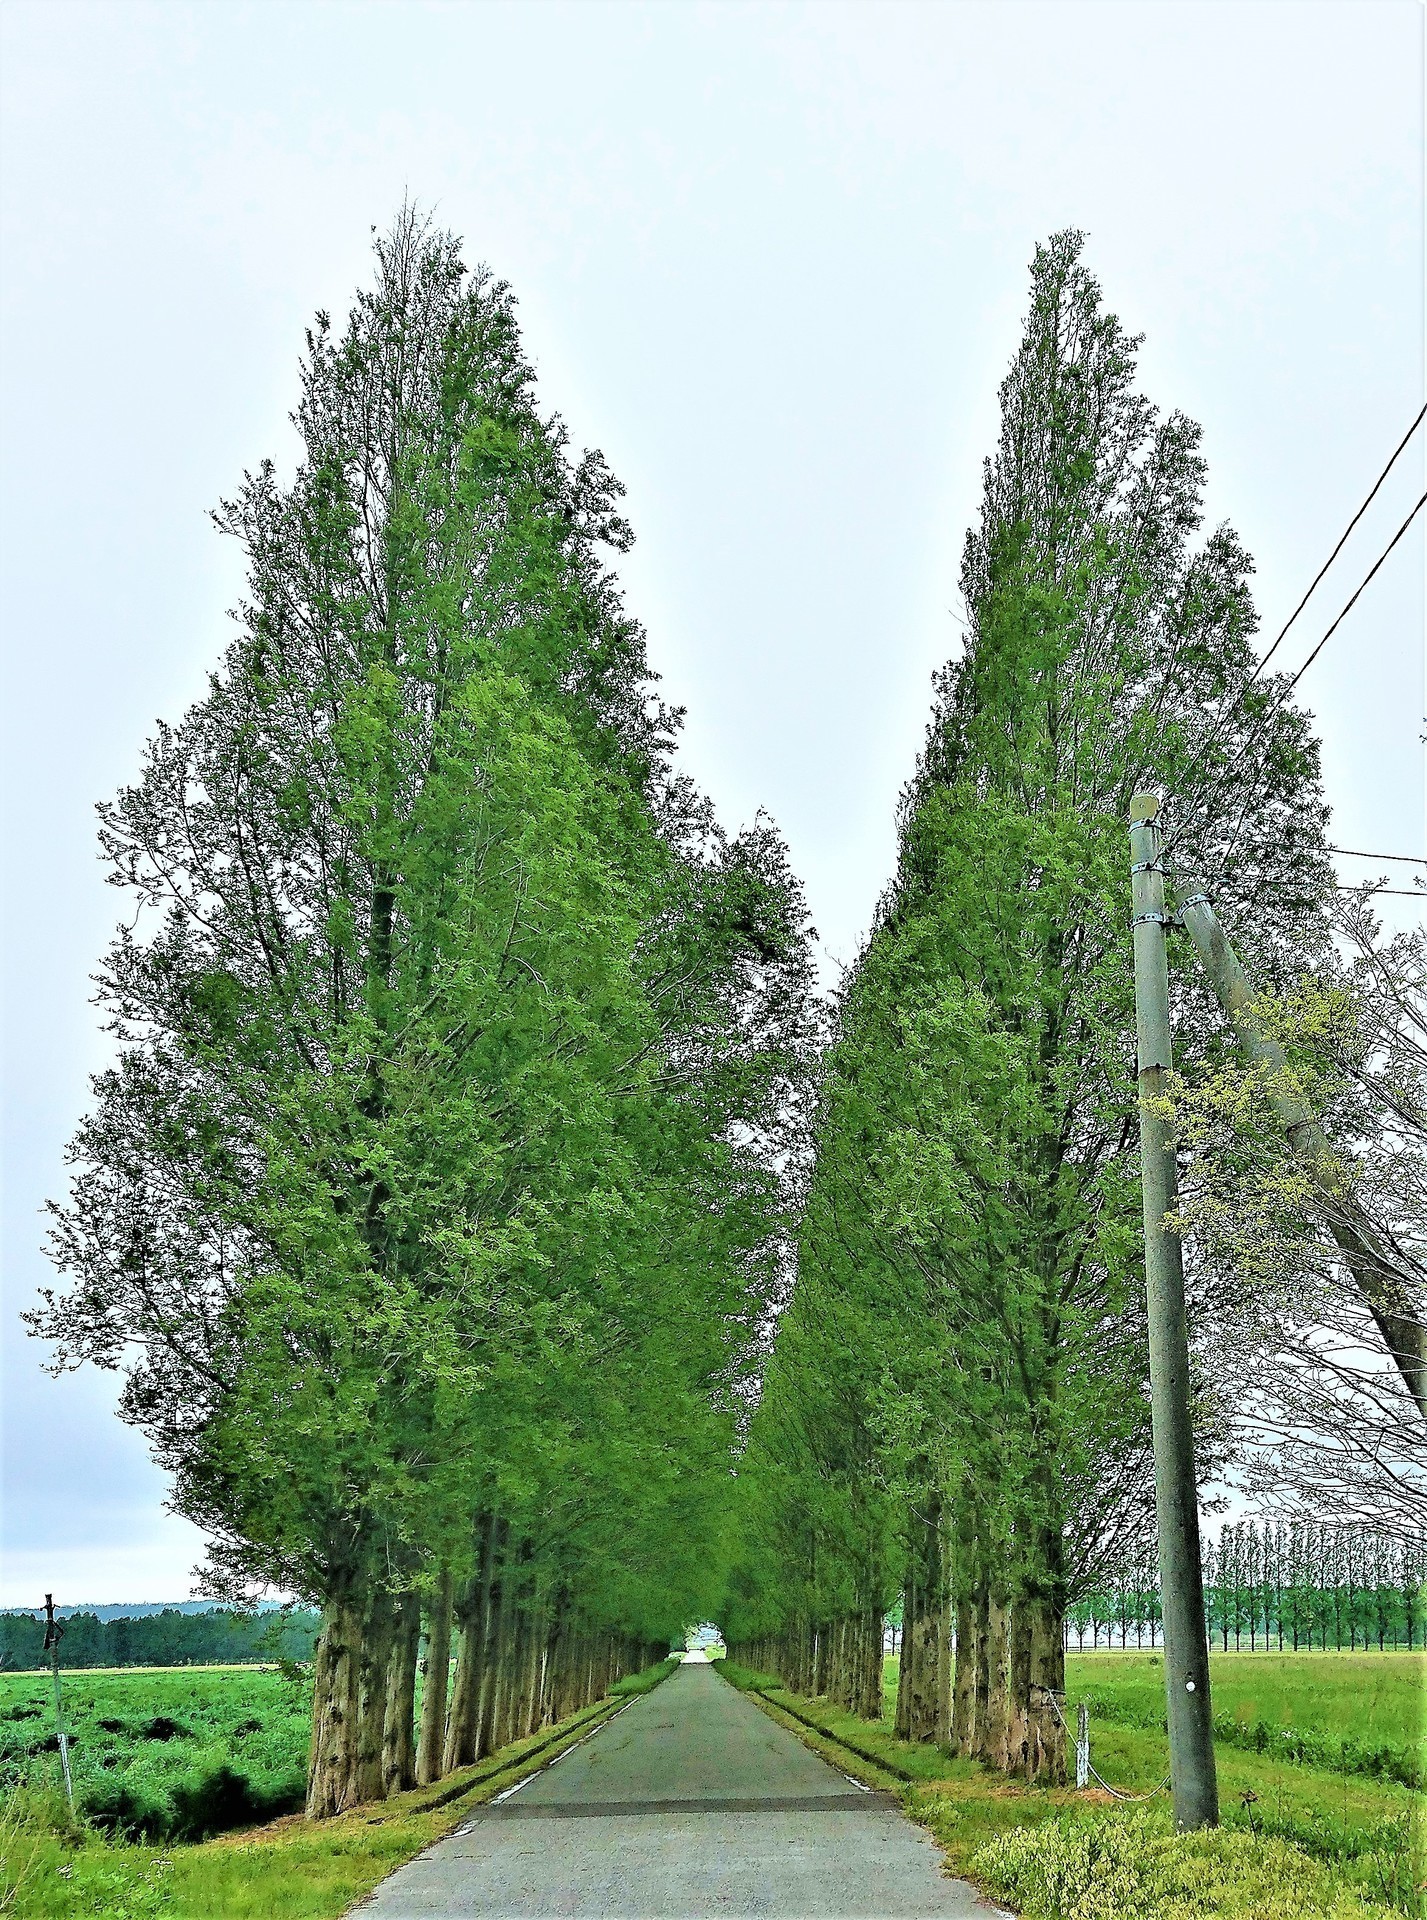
(433, 1201)
(956, 1406)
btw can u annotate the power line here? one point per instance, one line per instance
(1274, 705)
(1339, 548)
(1356, 853)
(1306, 891)
(1348, 609)
(1403, 893)
(1227, 714)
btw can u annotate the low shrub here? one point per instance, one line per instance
(1136, 1867)
(227, 1797)
(208, 1799)
(119, 1806)
(1374, 1758)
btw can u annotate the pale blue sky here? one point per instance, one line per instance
(772, 260)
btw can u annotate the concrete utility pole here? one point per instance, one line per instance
(1370, 1259)
(1193, 1781)
(54, 1632)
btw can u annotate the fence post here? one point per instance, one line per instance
(1082, 1746)
(54, 1630)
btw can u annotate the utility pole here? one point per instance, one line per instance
(1193, 1781)
(54, 1633)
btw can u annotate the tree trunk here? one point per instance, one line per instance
(398, 1733)
(332, 1760)
(432, 1743)
(503, 1652)
(963, 1691)
(1045, 1730)
(993, 1717)
(378, 1632)
(902, 1720)
(463, 1743)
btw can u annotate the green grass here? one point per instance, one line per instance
(1135, 1864)
(290, 1869)
(167, 1753)
(1356, 1830)
(1363, 1712)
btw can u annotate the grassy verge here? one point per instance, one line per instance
(1347, 1839)
(291, 1869)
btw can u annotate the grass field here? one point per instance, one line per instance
(1360, 1712)
(286, 1869)
(1350, 1832)
(163, 1753)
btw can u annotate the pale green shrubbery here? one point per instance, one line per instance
(1137, 1868)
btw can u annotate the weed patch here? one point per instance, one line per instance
(1135, 1867)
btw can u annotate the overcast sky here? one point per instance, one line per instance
(772, 260)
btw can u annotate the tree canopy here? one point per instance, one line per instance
(432, 1203)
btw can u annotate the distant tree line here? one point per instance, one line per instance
(1275, 1585)
(219, 1636)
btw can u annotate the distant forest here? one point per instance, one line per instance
(167, 1639)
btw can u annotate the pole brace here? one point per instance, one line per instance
(1146, 866)
(1156, 919)
(1200, 899)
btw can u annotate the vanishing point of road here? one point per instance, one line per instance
(691, 1801)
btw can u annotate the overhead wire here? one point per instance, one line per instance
(1228, 712)
(1357, 853)
(1422, 502)
(1275, 705)
(1343, 541)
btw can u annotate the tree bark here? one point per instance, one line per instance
(1045, 1731)
(991, 1742)
(463, 1742)
(373, 1660)
(432, 1744)
(398, 1729)
(332, 1759)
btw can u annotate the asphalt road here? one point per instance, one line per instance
(689, 1802)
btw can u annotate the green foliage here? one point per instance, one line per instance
(162, 1755)
(1297, 1584)
(957, 1399)
(440, 1173)
(1135, 1867)
(1360, 1830)
(54, 1869)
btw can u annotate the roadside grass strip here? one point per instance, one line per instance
(290, 1869)
(1135, 1864)
(1336, 1843)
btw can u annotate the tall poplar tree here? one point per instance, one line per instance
(432, 1201)
(976, 1187)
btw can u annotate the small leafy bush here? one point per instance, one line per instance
(228, 1797)
(119, 1806)
(1136, 1867)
